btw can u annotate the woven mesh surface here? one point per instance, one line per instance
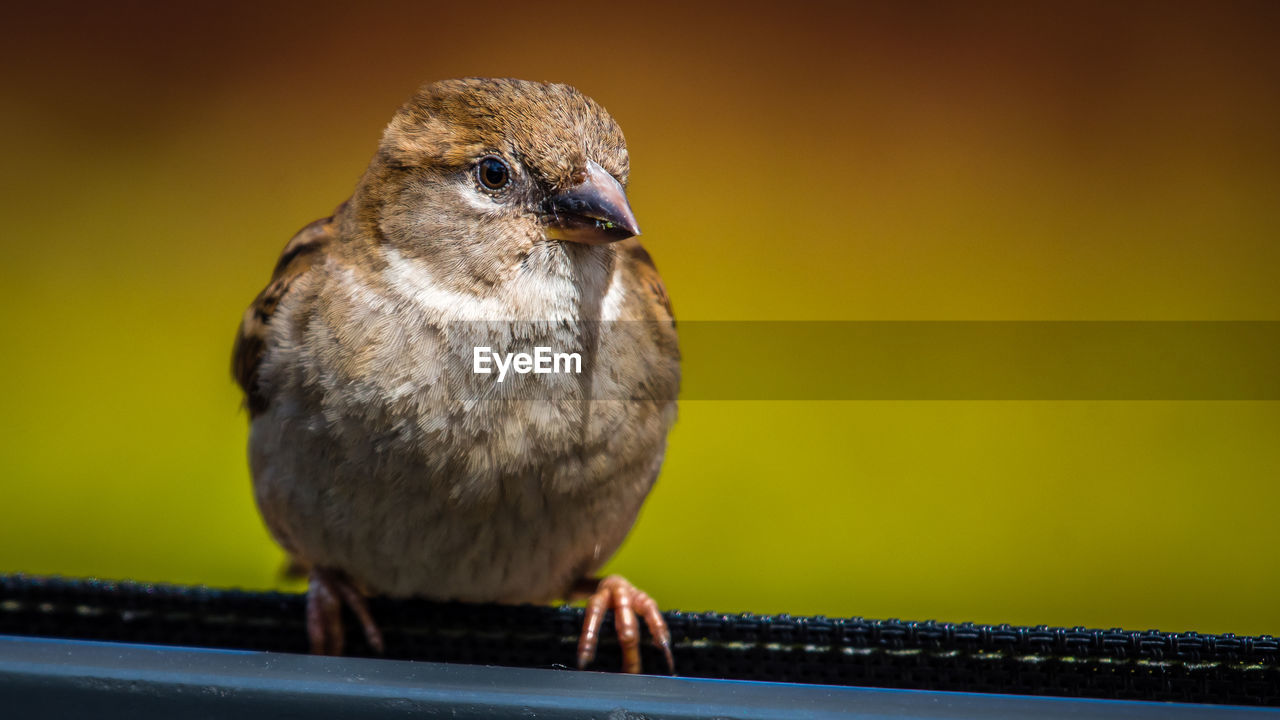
(1079, 662)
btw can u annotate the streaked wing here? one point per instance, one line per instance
(300, 255)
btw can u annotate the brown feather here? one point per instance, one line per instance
(641, 265)
(251, 341)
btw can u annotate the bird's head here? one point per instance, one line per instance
(491, 167)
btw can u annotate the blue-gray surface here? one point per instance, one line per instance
(63, 678)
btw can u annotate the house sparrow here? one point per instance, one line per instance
(494, 216)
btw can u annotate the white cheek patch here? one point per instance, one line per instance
(611, 306)
(522, 297)
(414, 280)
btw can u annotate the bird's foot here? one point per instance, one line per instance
(326, 593)
(626, 601)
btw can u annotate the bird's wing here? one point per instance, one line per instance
(647, 280)
(298, 256)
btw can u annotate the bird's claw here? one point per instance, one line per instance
(326, 593)
(627, 602)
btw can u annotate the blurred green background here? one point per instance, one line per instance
(888, 161)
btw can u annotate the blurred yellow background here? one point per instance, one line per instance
(889, 161)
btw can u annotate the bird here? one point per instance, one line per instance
(384, 461)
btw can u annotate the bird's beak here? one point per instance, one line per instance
(593, 212)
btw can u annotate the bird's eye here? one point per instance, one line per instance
(492, 172)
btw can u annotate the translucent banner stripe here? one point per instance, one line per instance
(981, 360)
(1071, 360)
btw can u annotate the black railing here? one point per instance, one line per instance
(1071, 662)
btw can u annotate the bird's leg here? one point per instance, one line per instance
(627, 601)
(326, 593)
